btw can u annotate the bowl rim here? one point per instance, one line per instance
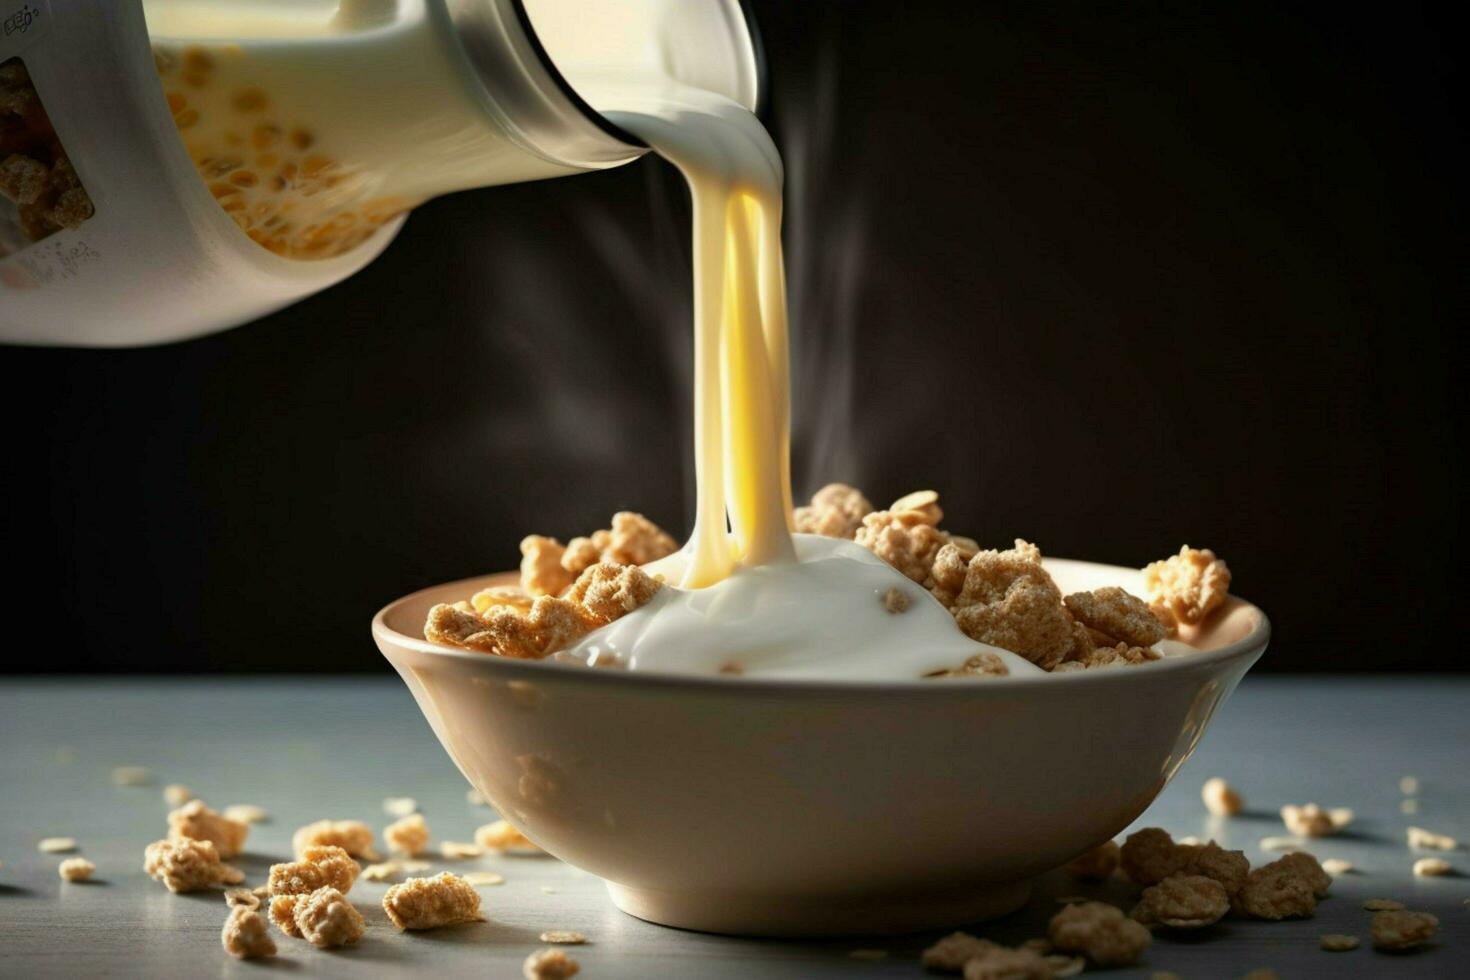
(387, 638)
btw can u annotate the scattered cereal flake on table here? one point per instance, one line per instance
(242, 898)
(427, 903)
(1183, 902)
(1409, 806)
(1278, 891)
(473, 798)
(382, 871)
(549, 964)
(261, 891)
(353, 836)
(1097, 864)
(319, 867)
(413, 867)
(1433, 868)
(1065, 966)
(177, 795)
(1337, 866)
(1221, 798)
(400, 806)
(187, 865)
(1150, 855)
(1383, 905)
(1307, 821)
(483, 878)
(197, 821)
(1341, 817)
(1336, 942)
(1409, 785)
(1190, 585)
(245, 935)
(1402, 929)
(57, 845)
(501, 836)
(76, 869)
(1099, 931)
(132, 776)
(452, 850)
(1280, 844)
(246, 813)
(570, 937)
(325, 918)
(1428, 840)
(409, 835)
(952, 952)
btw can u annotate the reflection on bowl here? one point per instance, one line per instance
(798, 808)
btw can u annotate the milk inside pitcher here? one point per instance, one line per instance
(194, 164)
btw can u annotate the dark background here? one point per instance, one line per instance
(1112, 281)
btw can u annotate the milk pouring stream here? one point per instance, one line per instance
(238, 155)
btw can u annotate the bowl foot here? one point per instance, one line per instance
(768, 916)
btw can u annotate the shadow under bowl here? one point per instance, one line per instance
(797, 808)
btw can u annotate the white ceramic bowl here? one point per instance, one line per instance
(777, 807)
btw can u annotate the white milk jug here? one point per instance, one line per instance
(170, 168)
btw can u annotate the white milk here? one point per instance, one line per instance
(745, 595)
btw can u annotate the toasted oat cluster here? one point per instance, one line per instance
(1151, 855)
(1097, 864)
(531, 630)
(549, 964)
(836, 511)
(246, 936)
(1189, 585)
(324, 917)
(427, 903)
(981, 959)
(35, 173)
(1401, 929)
(1100, 932)
(1007, 598)
(549, 568)
(321, 866)
(1183, 902)
(188, 865)
(1221, 798)
(501, 836)
(1287, 888)
(196, 821)
(353, 836)
(76, 869)
(409, 835)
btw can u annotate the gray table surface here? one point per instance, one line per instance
(307, 748)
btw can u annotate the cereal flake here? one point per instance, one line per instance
(549, 964)
(188, 865)
(1097, 864)
(197, 821)
(428, 903)
(1402, 929)
(245, 935)
(320, 866)
(1183, 902)
(76, 869)
(836, 511)
(1190, 585)
(1100, 932)
(409, 835)
(1221, 799)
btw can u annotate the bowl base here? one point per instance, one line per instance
(792, 918)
